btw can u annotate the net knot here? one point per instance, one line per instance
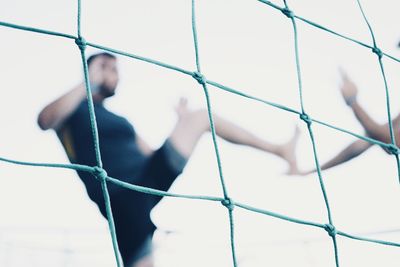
(393, 149)
(199, 77)
(81, 42)
(377, 51)
(228, 203)
(100, 173)
(330, 229)
(307, 119)
(288, 13)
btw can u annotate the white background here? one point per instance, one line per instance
(46, 216)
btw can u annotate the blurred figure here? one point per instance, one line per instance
(127, 157)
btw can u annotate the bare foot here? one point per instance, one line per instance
(182, 108)
(300, 172)
(288, 152)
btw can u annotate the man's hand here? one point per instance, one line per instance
(348, 89)
(96, 74)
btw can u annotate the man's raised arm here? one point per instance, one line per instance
(373, 129)
(54, 114)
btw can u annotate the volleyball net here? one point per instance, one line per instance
(198, 75)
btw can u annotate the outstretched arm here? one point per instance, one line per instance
(373, 129)
(55, 113)
(353, 150)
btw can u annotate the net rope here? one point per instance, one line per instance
(101, 175)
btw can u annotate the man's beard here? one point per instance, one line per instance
(106, 91)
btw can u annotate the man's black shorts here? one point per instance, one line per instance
(131, 210)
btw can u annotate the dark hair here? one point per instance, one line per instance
(102, 54)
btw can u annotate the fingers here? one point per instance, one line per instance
(183, 101)
(182, 107)
(347, 88)
(347, 83)
(343, 74)
(297, 131)
(182, 104)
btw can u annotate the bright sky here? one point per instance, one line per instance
(46, 217)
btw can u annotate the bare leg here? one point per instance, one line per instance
(192, 124)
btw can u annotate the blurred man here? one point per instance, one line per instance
(127, 157)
